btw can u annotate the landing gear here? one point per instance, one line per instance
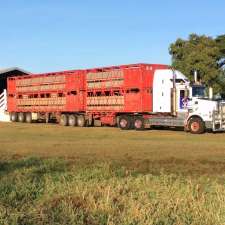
(196, 126)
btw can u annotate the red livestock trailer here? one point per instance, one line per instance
(121, 95)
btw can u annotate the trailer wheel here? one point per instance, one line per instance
(196, 126)
(14, 117)
(139, 123)
(125, 123)
(72, 120)
(28, 117)
(81, 121)
(21, 117)
(63, 120)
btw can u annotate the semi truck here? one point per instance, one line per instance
(136, 96)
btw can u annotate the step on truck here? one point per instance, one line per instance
(137, 96)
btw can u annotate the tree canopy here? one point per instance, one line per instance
(204, 54)
(220, 40)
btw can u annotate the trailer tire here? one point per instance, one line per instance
(63, 120)
(72, 120)
(21, 117)
(28, 118)
(196, 126)
(139, 123)
(125, 123)
(14, 117)
(81, 122)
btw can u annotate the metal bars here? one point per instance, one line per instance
(105, 90)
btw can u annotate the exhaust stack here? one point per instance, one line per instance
(210, 93)
(195, 76)
(174, 95)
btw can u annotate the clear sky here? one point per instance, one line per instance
(52, 35)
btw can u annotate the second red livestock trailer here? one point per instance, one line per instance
(120, 95)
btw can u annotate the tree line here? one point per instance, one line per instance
(204, 54)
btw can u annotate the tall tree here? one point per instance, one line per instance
(204, 54)
(220, 40)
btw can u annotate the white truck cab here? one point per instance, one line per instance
(178, 103)
(204, 112)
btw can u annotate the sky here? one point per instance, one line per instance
(53, 35)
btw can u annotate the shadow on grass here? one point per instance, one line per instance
(172, 165)
(38, 165)
(23, 181)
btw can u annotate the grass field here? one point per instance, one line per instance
(62, 175)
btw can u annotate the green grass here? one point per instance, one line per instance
(93, 176)
(51, 191)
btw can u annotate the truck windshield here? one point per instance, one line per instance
(198, 91)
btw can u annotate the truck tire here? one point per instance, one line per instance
(72, 120)
(125, 123)
(21, 117)
(28, 118)
(196, 126)
(14, 117)
(81, 122)
(139, 123)
(63, 120)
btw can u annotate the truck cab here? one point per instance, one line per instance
(187, 104)
(204, 112)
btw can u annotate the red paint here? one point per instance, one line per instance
(101, 92)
